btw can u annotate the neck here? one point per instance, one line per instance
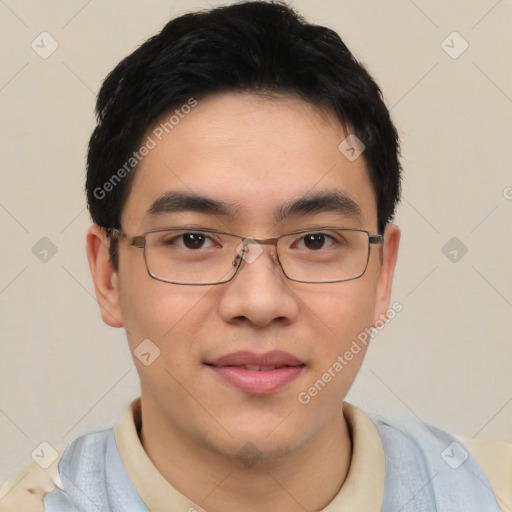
(306, 479)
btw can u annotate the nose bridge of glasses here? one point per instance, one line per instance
(251, 248)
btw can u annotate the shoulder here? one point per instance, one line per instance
(458, 465)
(25, 490)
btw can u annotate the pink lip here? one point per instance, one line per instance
(232, 369)
(242, 358)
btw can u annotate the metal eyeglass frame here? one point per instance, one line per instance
(139, 241)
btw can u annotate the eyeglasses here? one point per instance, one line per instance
(192, 256)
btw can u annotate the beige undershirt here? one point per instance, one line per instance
(363, 489)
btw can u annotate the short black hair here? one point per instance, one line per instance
(255, 46)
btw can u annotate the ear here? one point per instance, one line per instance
(106, 280)
(388, 262)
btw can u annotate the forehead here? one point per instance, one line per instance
(256, 155)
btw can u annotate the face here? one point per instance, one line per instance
(254, 155)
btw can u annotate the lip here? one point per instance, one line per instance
(252, 373)
(244, 357)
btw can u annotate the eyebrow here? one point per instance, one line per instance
(176, 202)
(320, 202)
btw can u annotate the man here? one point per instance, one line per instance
(242, 180)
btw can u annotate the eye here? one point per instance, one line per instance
(190, 240)
(194, 240)
(315, 241)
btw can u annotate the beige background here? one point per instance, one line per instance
(446, 357)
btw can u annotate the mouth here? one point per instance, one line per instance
(257, 368)
(257, 374)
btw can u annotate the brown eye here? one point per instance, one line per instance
(314, 241)
(193, 240)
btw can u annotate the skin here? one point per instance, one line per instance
(256, 153)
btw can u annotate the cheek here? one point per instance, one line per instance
(165, 313)
(170, 317)
(342, 311)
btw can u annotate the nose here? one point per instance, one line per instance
(259, 293)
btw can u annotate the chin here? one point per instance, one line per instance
(261, 444)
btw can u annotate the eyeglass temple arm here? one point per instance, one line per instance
(376, 239)
(116, 234)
